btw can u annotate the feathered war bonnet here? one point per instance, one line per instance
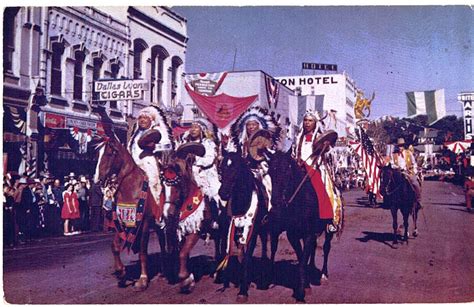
(208, 129)
(158, 122)
(320, 127)
(265, 120)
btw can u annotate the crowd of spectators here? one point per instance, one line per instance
(49, 206)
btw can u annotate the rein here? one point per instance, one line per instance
(391, 181)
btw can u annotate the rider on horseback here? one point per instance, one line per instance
(145, 150)
(204, 168)
(404, 159)
(320, 173)
(245, 127)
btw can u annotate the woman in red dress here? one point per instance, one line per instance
(70, 209)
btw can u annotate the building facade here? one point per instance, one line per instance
(333, 94)
(57, 54)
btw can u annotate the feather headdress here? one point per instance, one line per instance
(320, 128)
(158, 122)
(209, 130)
(265, 120)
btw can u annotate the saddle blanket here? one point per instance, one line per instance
(127, 214)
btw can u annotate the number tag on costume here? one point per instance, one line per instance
(127, 213)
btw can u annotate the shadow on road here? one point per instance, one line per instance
(384, 238)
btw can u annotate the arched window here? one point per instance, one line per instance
(9, 37)
(175, 63)
(158, 55)
(79, 57)
(56, 68)
(139, 46)
(97, 63)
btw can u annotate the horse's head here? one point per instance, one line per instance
(111, 159)
(280, 167)
(386, 178)
(230, 166)
(176, 173)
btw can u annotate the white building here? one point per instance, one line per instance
(62, 51)
(334, 93)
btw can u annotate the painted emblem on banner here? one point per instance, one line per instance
(223, 112)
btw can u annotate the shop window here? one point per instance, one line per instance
(79, 57)
(56, 69)
(9, 37)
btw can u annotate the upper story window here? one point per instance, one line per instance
(138, 47)
(56, 68)
(97, 63)
(79, 57)
(158, 55)
(114, 69)
(175, 63)
(9, 37)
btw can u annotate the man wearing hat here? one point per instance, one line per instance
(150, 118)
(404, 159)
(321, 177)
(25, 209)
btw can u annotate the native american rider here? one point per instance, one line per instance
(204, 168)
(329, 198)
(404, 159)
(151, 118)
(246, 126)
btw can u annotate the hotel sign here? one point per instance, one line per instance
(120, 89)
(319, 66)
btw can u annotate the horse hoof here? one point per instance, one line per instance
(415, 233)
(324, 279)
(299, 297)
(141, 284)
(241, 298)
(187, 285)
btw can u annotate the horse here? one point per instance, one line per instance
(300, 218)
(134, 197)
(186, 213)
(399, 194)
(246, 205)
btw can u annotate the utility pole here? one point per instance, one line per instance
(235, 55)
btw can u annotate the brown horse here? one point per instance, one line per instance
(135, 205)
(184, 207)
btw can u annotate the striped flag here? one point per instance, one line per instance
(298, 105)
(431, 103)
(370, 160)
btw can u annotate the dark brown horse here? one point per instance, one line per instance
(300, 218)
(247, 208)
(135, 203)
(185, 209)
(399, 194)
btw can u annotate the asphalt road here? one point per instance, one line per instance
(364, 265)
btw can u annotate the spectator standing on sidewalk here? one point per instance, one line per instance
(56, 221)
(25, 210)
(8, 216)
(82, 194)
(95, 203)
(70, 211)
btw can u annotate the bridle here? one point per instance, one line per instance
(390, 181)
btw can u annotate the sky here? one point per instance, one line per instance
(387, 49)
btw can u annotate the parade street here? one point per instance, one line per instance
(364, 265)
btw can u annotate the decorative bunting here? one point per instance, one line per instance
(272, 87)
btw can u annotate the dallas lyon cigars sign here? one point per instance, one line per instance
(120, 89)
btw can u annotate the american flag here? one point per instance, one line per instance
(370, 160)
